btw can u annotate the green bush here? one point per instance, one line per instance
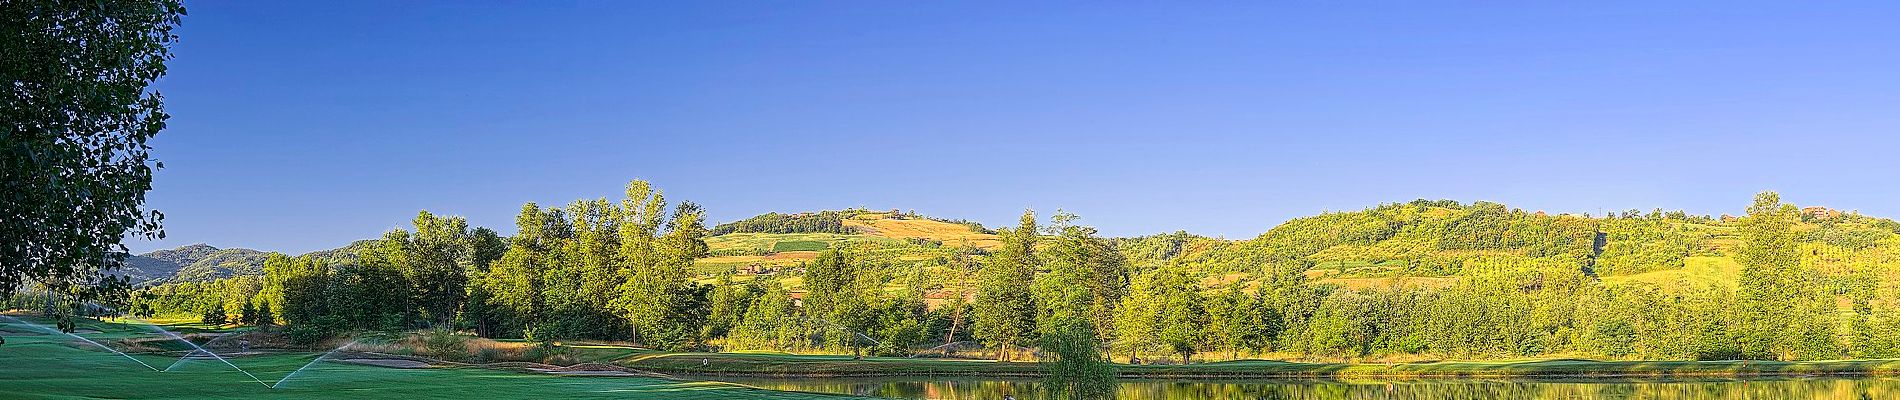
(443, 344)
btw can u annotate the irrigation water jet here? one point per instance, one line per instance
(914, 355)
(194, 346)
(280, 382)
(181, 360)
(860, 335)
(82, 338)
(202, 349)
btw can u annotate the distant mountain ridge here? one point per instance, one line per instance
(203, 262)
(223, 263)
(183, 255)
(144, 270)
(197, 262)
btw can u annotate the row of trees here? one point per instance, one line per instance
(599, 269)
(623, 270)
(811, 222)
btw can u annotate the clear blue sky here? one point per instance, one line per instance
(300, 127)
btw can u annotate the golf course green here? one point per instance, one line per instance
(38, 363)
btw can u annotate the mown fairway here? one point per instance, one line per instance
(35, 363)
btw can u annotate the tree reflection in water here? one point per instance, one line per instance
(1147, 389)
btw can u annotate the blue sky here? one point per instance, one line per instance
(300, 127)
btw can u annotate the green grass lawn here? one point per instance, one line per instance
(1706, 271)
(39, 365)
(802, 245)
(763, 241)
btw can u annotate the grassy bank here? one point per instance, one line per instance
(844, 366)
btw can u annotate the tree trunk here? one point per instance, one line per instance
(949, 338)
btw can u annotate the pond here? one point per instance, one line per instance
(1832, 388)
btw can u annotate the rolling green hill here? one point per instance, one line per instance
(1427, 242)
(776, 240)
(1418, 243)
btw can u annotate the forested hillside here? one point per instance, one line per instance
(1432, 279)
(201, 262)
(198, 262)
(1436, 239)
(141, 270)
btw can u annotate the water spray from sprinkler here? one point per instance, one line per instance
(202, 349)
(82, 338)
(187, 342)
(181, 360)
(280, 382)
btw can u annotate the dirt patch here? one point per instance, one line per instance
(588, 369)
(387, 362)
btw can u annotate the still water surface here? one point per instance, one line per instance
(1827, 388)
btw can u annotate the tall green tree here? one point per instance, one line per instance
(1783, 315)
(372, 294)
(1137, 318)
(729, 302)
(1181, 315)
(1231, 318)
(76, 120)
(1004, 314)
(485, 247)
(1086, 275)
(655, 291)
(1078, 292)
(582, 274)
(768, 316)
(297, 288)
(647, 293)
(962, 265)
(514, 283)
(436, 255)
(684, 241)
(841, 297)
